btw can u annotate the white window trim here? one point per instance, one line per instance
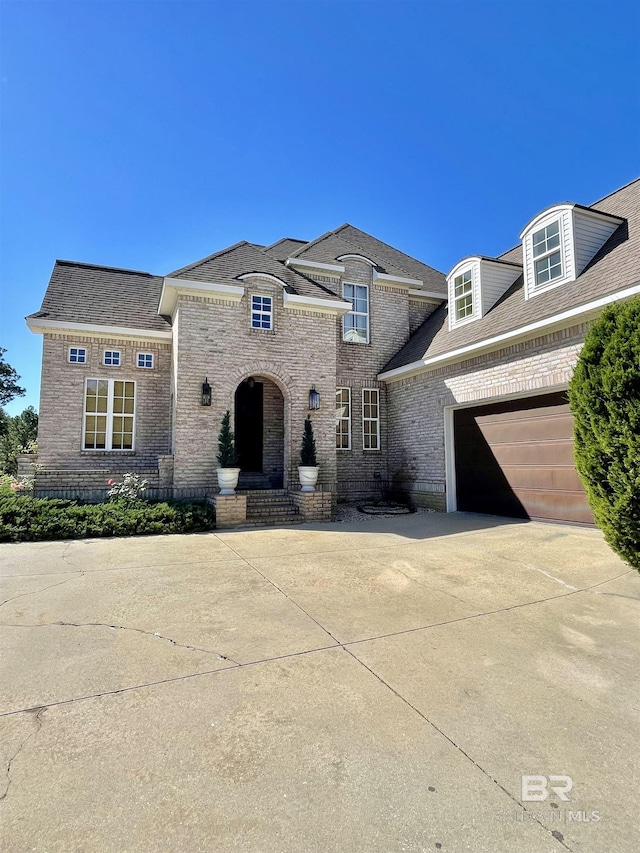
(535, 259)
(348, 418)
(269, 313)
(112, 351)
(78, 349)
(371, 420)
(568, 263)
(460, 321)
(145, 366)
(109, 415)
(357, 313)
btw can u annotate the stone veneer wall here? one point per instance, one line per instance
(215, 340)
(60, 425)
(416, 404)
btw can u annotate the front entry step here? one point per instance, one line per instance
(254, 480)
(272, 507)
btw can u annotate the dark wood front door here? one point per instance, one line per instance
(249, 426)
(516, 458)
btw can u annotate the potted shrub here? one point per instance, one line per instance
(308, 468)
(227, 472)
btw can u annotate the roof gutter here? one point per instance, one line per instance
(557, 321)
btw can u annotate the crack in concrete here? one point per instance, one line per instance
(37, 715)
(281, 591)
(155, 634)
(79, 574)
(456, 745)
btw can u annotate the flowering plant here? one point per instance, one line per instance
(10, 485)
(130, 489)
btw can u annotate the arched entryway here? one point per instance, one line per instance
(259, 433)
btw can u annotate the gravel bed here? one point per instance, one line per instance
(350, 512)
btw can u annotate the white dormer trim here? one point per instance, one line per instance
(491, 279)
(265, 275)
(352, 256)
(582, 232)
(313, 265)
(469, 266)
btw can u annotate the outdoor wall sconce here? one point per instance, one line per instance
(314, 398)
(206, 393)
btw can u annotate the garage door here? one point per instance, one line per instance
(516, 458)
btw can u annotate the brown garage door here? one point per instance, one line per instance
(516, 458)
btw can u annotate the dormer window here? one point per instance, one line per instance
(546, 253)
(463, 295)
(560, 242)
(475, 284)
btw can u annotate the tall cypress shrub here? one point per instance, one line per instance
(605, 398)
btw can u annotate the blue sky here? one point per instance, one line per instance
(149, 134)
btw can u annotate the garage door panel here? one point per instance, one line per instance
(536, 429)
(516, 458)
(543, 477)
(538, 452)
(555, 506)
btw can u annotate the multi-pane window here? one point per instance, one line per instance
(463, 295)
(109, 413)
(77, 355)
(343, 418)
(111, 358)
(145, 359)
(546, 253)
(355, 324)
(261, 312)
(370, 419)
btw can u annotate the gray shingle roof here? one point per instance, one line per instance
(282, 249)
(106, 296)
(347, 239)
(614, 267)
(226, 266)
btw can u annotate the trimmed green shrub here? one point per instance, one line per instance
(26, 519)
(605, 399)
(226, 448)
(308, 452)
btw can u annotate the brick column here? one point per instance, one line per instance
(313, 506)
(231, 510)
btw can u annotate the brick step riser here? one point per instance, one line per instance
(267, 514)
(274, 503)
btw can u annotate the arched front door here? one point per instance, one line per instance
(259, 433)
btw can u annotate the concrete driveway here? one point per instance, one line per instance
(377, 687)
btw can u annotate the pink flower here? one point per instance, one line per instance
(21, 485)
(13, 485)
(110, 482)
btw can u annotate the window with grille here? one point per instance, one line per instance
(261, 312)
(109, 415)
(370, 419)
(355, 324)
(343, 418)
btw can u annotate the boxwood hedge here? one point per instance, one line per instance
(27, 519)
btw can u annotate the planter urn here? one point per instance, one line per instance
(228, 480)
(308, 477)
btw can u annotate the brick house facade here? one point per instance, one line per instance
(393, 348)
